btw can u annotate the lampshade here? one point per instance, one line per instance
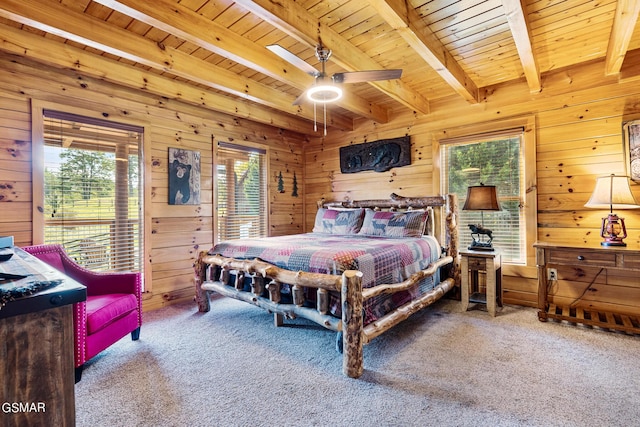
(481, 198)
(612, 192)
(324, 93)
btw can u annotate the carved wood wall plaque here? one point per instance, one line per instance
(379, 156)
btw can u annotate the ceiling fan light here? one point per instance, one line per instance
(324, 93)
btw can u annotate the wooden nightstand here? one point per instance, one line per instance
(481, 279)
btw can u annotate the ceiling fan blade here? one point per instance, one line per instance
(301, 98)
(292, 59)
(366, 76)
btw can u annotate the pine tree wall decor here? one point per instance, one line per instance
(280, 183)
(294, 193)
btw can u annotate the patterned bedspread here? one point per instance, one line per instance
(380, 259)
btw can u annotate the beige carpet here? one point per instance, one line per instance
(232, 367)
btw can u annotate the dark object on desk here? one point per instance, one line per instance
(7, 295)
(8, 276)
(5, 257)
(30, 285)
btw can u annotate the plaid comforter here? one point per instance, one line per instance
(380, 259)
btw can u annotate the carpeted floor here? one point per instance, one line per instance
(232, 367)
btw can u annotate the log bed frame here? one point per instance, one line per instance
(352, 333)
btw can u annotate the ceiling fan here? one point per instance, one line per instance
(327, 88)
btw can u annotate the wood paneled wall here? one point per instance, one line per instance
(177, 232)
(578, 116)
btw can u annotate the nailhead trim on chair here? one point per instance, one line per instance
(81, 331)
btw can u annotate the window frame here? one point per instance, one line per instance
(38, 160)
(529, 196)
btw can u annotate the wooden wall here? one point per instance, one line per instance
(578, 116)
(177, 232)
(578, 124)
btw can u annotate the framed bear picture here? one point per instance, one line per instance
(184, 177)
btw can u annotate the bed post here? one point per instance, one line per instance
(352, 324)
(202, 296)
(452, 235)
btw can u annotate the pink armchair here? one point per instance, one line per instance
(112, 310)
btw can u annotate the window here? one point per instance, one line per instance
(495, 158)
(241, 183)
(92, 190)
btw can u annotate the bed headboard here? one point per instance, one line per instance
(443, 211)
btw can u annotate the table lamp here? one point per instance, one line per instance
(611, 192)
(481, 198)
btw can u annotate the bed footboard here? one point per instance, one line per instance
(264, 276)
(213, 273)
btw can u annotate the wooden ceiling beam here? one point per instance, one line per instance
(404, 19)
(290, 17)
(631, 66)
(64, 56)
(184, 23)
(624, 23)
(59, 20)
(521, 32)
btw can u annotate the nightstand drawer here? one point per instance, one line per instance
(477, 263)
(631, 261)
(580, 257)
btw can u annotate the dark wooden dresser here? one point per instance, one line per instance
(598, 286)
(36, 346)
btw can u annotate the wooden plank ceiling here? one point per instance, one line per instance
(213, 52)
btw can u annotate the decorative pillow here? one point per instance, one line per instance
(338, 221)
(394, 224)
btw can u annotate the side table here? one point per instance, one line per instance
(481, 279)
(591, 285)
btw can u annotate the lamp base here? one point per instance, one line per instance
(481, 238)
(480, 248)
(613, 243)
(613, 231)
(475, 246)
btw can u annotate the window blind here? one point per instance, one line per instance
(241, 192)
(92, 190)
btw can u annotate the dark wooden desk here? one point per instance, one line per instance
(36, 347)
